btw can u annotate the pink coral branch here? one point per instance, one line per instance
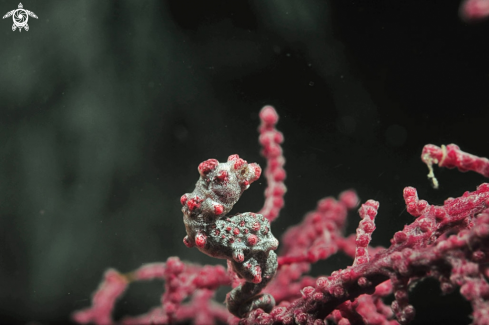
(317, 236)
(473, 10)
(181, 281)
(203, 316)
(270, 139)
(451, 156)
(368, 309)
(103, 301)
(367, 212)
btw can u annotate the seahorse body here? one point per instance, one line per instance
(244, 239)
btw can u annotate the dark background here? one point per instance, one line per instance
(108, 107)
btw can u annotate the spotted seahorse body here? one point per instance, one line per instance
(244, 239)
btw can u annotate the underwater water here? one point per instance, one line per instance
(107, 108)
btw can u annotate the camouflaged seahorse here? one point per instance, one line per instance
(244, 239)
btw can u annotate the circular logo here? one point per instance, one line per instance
(20, 17)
